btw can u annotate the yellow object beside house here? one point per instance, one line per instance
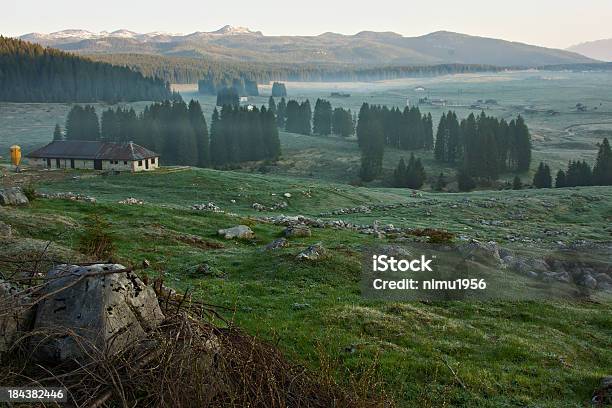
(15, 155)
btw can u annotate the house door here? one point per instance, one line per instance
(57, 163)
(97, 164)
(146, 164)
(49, 163)
(72, 163)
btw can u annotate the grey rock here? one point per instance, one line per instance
(532, 274)
(13, 196)
(108, 311)
(589, 281)
(300, 306)
(603, 278)
(297, 231)
(312, 253)
(16, 316)
(6, 231)
(487, 252)
(239, 232)
(276, 244)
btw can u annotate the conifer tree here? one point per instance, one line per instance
(465, 182)
(57, 133)
(542, 177)
(560, 180)
(440, 182)
(399, 175)
(200, 129)
(602, 171)
(281, 113)
(516, 183)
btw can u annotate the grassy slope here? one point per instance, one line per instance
(545, 354)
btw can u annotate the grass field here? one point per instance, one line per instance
(567, 134)
(468, 354)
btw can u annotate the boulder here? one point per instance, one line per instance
(297, 231)
(312, 253)
(106, 311)
(589, 281)
(486, 252)
(16, 316)
(239, 231)
(6, 231)
(276, 244)
(13, 196)
(603, 395)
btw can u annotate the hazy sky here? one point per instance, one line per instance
(553, 23)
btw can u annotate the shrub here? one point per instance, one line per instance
(29, 190)
(97, 240)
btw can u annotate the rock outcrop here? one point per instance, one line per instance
(103, 307)
(13, 196)
(237, 232)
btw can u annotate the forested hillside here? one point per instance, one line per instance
(31, 73)
(186, 70)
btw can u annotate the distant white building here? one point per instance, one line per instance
(94, 155)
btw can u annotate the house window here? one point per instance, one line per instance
(125, 162)
(153, 160)
(139, 163)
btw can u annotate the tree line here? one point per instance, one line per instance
(378, 126)
(31, 73)
(579, 173)
(213, 84)
(483, 146)
(186, 70)
(179, 132)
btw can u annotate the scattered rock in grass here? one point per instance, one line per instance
(212, 207)
(131, 201)
(120, 309)
(274, 207)
(312, 253)
(13, 196)
(237, 232)
(6, 231)
(145, 263)
(287, 195)
(297, 231)
(276, 244)
(300, 306)
(68, 196)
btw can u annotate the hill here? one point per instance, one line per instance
(485, 354)
(31, 73)
(364, 48)
(599, 49)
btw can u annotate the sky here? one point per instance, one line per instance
(551, 23)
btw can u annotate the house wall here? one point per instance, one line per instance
(120, 165)
(140, 165)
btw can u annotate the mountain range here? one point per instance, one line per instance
(364, 48)
(599, 49)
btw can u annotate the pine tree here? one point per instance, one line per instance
(322, 118)
(560, 180)
(218, 148)
(281, 113)
(465, 182)
(602, 171)
(415, 173)
(200, 129)
(441, 138)
(399, 175)
(516, 183)
(57, 133)
(542, 177)
(272, 105)
(440, 182)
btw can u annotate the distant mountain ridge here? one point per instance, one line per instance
(366, 48)
(598, 49)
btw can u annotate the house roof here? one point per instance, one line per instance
(91, 150)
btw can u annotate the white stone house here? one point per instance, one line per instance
(94, 155)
